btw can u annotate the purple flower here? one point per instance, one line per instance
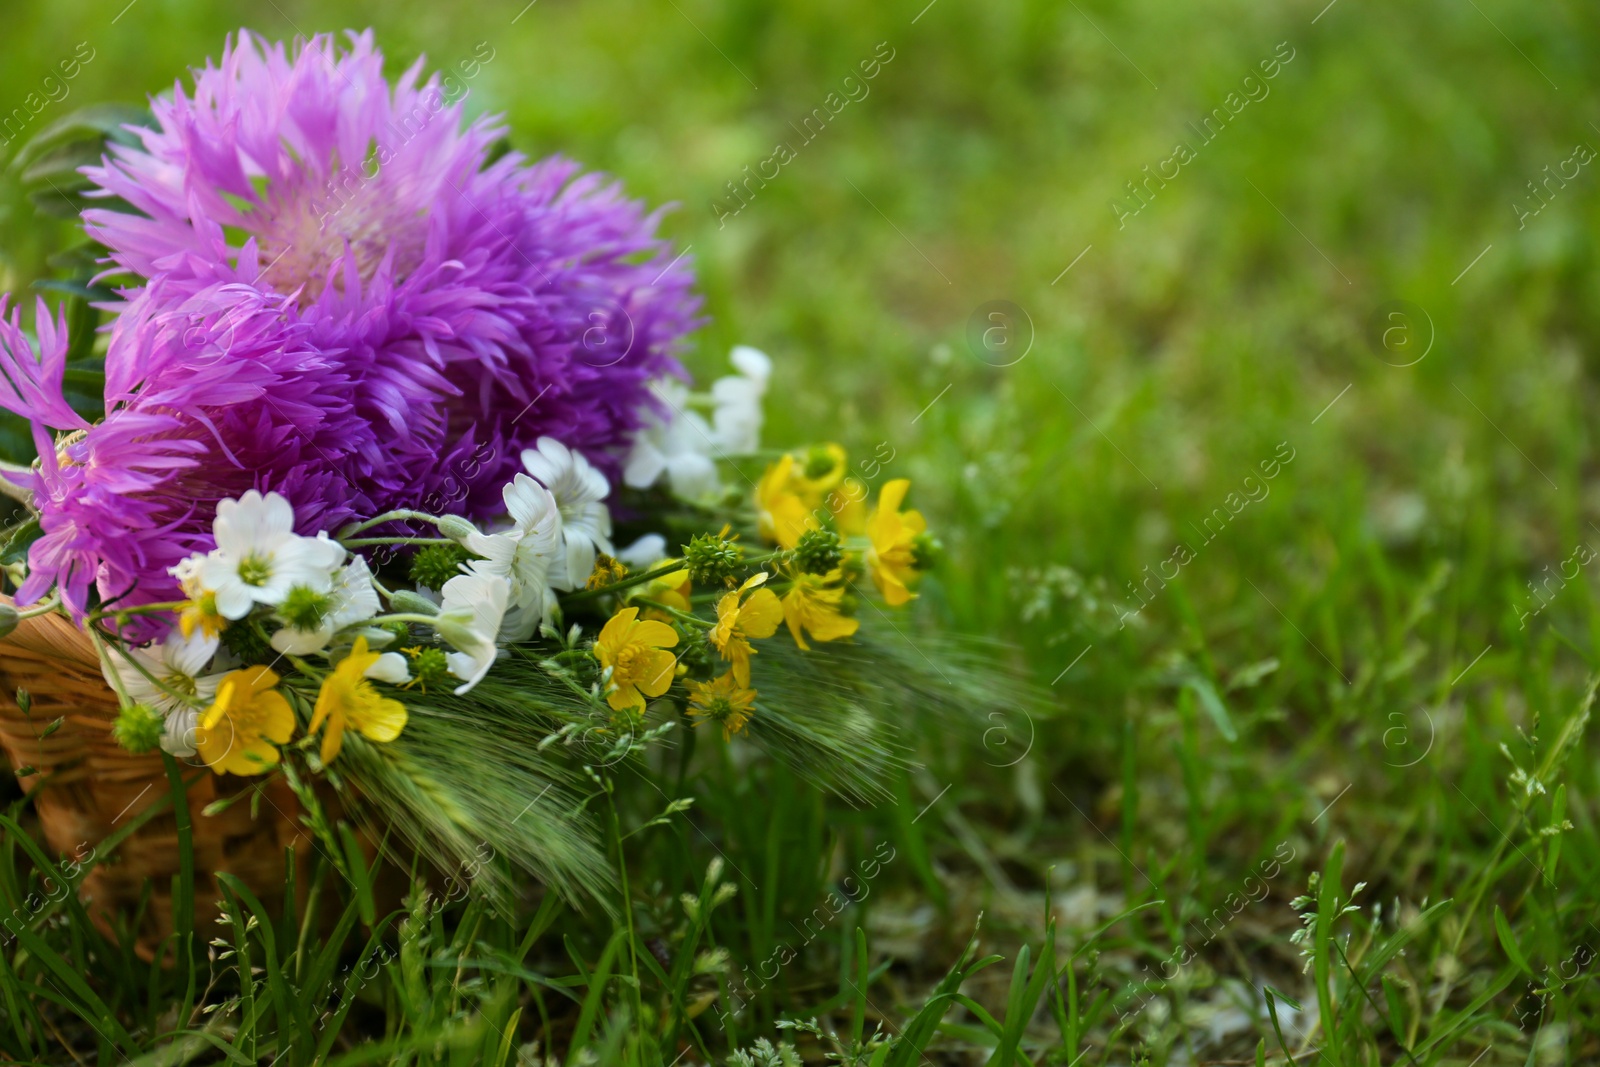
(230, 397)
(342, 300)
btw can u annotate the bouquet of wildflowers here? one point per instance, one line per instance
(399, 486)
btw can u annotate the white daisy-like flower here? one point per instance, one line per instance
(579, 490)
(524, 554)
(469, 619)
(679, 444)
(259, 557)
(163, 676)
(352, 599)
(737, 416)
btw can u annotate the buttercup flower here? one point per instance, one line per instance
(737, 415)
(469, 619)
(635, 651)
(240, 732)
(819, 471)
(812, 606)
(780, 509)
(259, 558)
(722, 700)
(891, 557)
(739, 619)
(579, 490)
(348, 700)
(848, 506)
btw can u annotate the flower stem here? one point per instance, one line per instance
(388, 516)
(358, 542)
(43, 609)
(137, 609)
(681, 616)
(626, 583)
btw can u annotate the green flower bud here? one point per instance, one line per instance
(406, 602)
(429, 668)
(138, 729)
(818, 551)
(456, 528)
(433, 565)
(711, 559)
(456, 629)
(8, 619)
(305, 608)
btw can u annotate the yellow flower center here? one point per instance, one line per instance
(631, 663)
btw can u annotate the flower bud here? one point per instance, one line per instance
(408, 603)
(456, 528)
(456, 628)
(138, 729)
(8, 619)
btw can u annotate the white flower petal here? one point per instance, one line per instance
(390, 667)
(751, 362)
(644, 553)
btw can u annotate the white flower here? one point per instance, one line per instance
(179, 733)
(352, 599)
(579, 490)
(524, 554)
(469, 619)
(390, 667)
(679, 445)
(645, 552)
(259, 557)
(163, 676)
(737, 416)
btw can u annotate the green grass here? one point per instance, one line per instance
(1337, 688)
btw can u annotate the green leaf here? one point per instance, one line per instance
(1213, 704)
(1508, 942)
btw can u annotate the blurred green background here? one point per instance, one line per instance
(1358, 271)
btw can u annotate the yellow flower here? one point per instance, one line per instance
(199, 611)
(739, 619)
(607, 571)
(348, 701)
(722, 700)
(848, 504)
(891, 557)
(782, 512)
(239, 731)
(633, 649)
(201, 614)
(672, 589)
(818, 472)
(812, 604)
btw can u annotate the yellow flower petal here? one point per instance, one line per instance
(761, 614)
(383, 719)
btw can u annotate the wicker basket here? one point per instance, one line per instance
(87, 786)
